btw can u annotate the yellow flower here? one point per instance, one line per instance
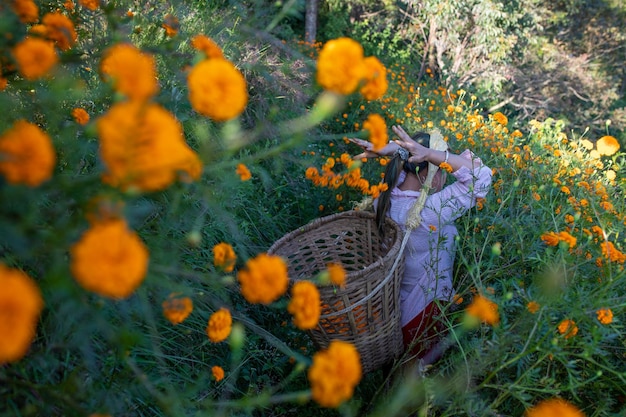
(80, 116)
(337, 274)
(377, 128)
(217, 89)
(35, 57)
(340, 66)
(26, 10)
(243, 172)
(501, 118)
(132, 72)
(218, 373)
(375, 79)
(224, 257)
(484, 309)
(605, 315)
(26, 154)
(60, 30)
(554, 407)
(207, 46)
(533, 306)
(20, 305)
(334, 373)
(305, 305)
(143, 147)
(114, 269)
(219, 326)
(607, 145)
(176, 309)
(264, 279)
(89, 4)
(568, 328)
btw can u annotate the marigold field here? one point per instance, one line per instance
(150, 155)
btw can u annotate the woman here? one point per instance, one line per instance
(429, 254)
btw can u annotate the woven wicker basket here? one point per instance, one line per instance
(364, 312)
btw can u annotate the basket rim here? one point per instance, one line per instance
(321, 221)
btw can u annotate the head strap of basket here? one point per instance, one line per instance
(439, 144)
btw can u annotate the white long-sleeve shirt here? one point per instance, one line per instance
(430, 251)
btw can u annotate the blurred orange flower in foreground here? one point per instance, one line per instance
(334, 373)
(132, 72)
(305, 305)
(340, 66)
(143, 147)
(26, 154)
(217, 89)
(264, 279)
(35, 57)
(20, 305)
(114, 269)
(554, 407)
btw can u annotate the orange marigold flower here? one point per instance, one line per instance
(114, 269)
(607, 145)
(305, 305)
(605, 315)
(334, 373)
(377, 128)
(132, 72)
(217, 89)
(143, 147)
(35, 57)
(554, 407)
(176, 309)
(219, 326)
(218, 373)
(501, 118)
(484, 309)
(26, 154)
(264, 279)
(533, 306)
(567, 238)
(550, 238)
(340, 66)
(60, 30)
(568, 328)
(375, 79)
(243, 172)
(90, 4)
(337, 274)
(446, 166)
(224, 257)
(26, 10)
(69, 5)
(610, 252)
(20, 305)
(81, 116)
(207, 46)
(171, 25)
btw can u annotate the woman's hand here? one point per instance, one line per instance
(419, 153)
(368, 149)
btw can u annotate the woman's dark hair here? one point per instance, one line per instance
(392, 173)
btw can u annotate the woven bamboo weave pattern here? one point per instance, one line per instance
(360, 313)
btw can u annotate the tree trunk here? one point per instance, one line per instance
(310, 21)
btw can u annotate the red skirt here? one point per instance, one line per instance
(424, 332)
